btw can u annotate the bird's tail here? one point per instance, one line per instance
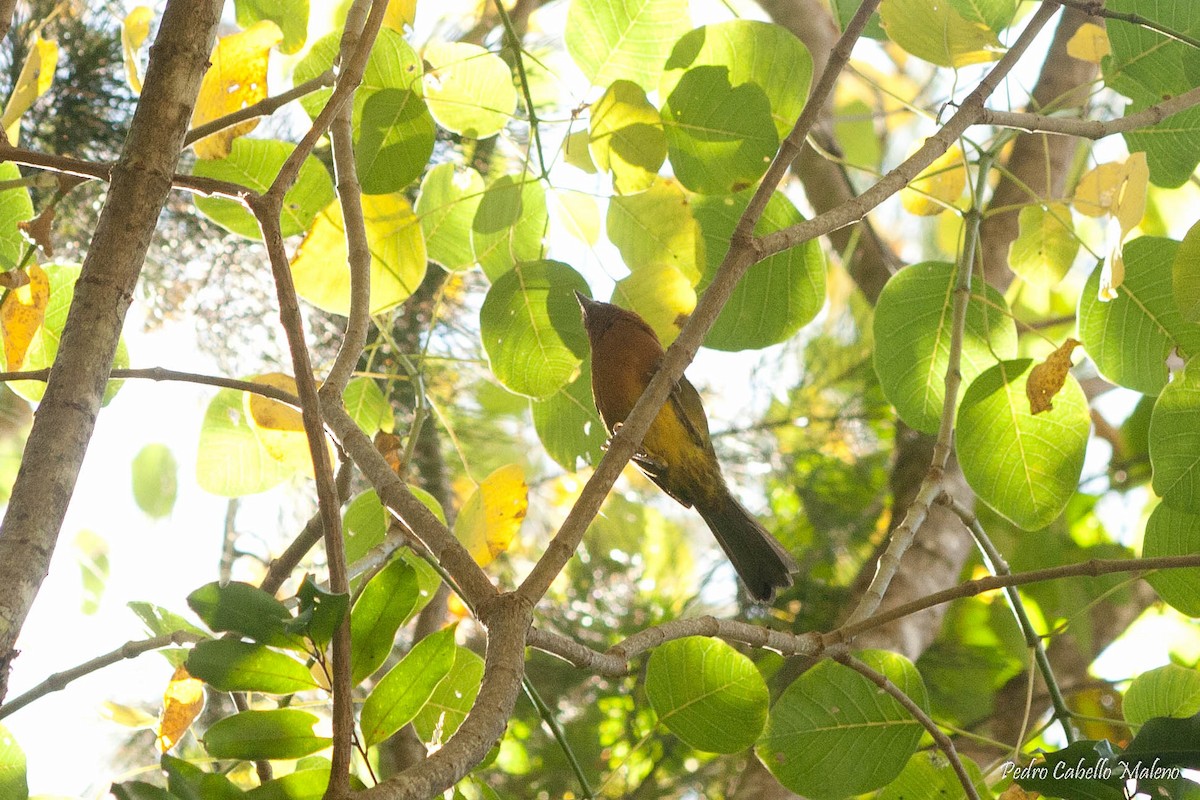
(761, 561)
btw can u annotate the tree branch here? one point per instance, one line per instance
(66, 417)
(60, 680)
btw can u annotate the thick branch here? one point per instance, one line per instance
(66, 416)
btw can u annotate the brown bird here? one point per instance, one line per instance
(677, 453)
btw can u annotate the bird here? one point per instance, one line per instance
(677, 452)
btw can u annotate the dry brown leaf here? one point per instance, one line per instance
(1047, 378)
(38, 230)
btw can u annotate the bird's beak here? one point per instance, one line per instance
(585, 303)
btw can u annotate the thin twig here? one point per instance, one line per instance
(932, 486)
(560, 736)
(1092, 568)
(1091, 128)
(1032, 639)
(514, 44)
(162, 374)
(918, 713)
(263, 108)
(60, 680)
(65, 165)
(262, 767)
(281, 567)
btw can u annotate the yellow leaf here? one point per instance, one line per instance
(263, 412)
(36, 76)
(236, 79)
(661, 295)
(1047, 378)
(1116, 188)
(21, 316)
(127, 716)
(182, 703)
(492, 515)
(135, 29)
(1112, 187)
(400, 13)
(938, 187)
(398, 258)
(577, 213)
(278, 426)
(1089, 43)
(1129, 204)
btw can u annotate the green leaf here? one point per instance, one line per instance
(92, 554)
(140, 790)
(470, 91)
(43, 348)
(1170, 146)
(364, 525)
(244, 609)
(1147, 66)
(1175, 441)
(509, 224)
(1046, 244)
(446, 206)
(531, 327)
(719, 136)
(155, 480)
(624, 39)
(1169, 691)
(831, 717)
(303, 784)
(403, 692)
(729, 93)
(658, 227)
(708, 694)
(189, 782)
(159, 621)
(760, 54)
(929, 774)
(452, 699)
(290, 15)
(1170, 532)
(779, 294)
(1024, 466)
(393, 64)
(320, 613)
(1166, 742)
(938, 33)
(395, 140)
(627, 137)
(912, 340)
(15, 206)
(568, 424)
(231, 461)
(1185, 275)
(367, 406)
(233, 666)
(14, 783)
(254, 163)
(253, 735)
(1130, 337)
(995, 14)
(383, 606)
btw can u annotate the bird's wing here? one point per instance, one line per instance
(686, 400)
